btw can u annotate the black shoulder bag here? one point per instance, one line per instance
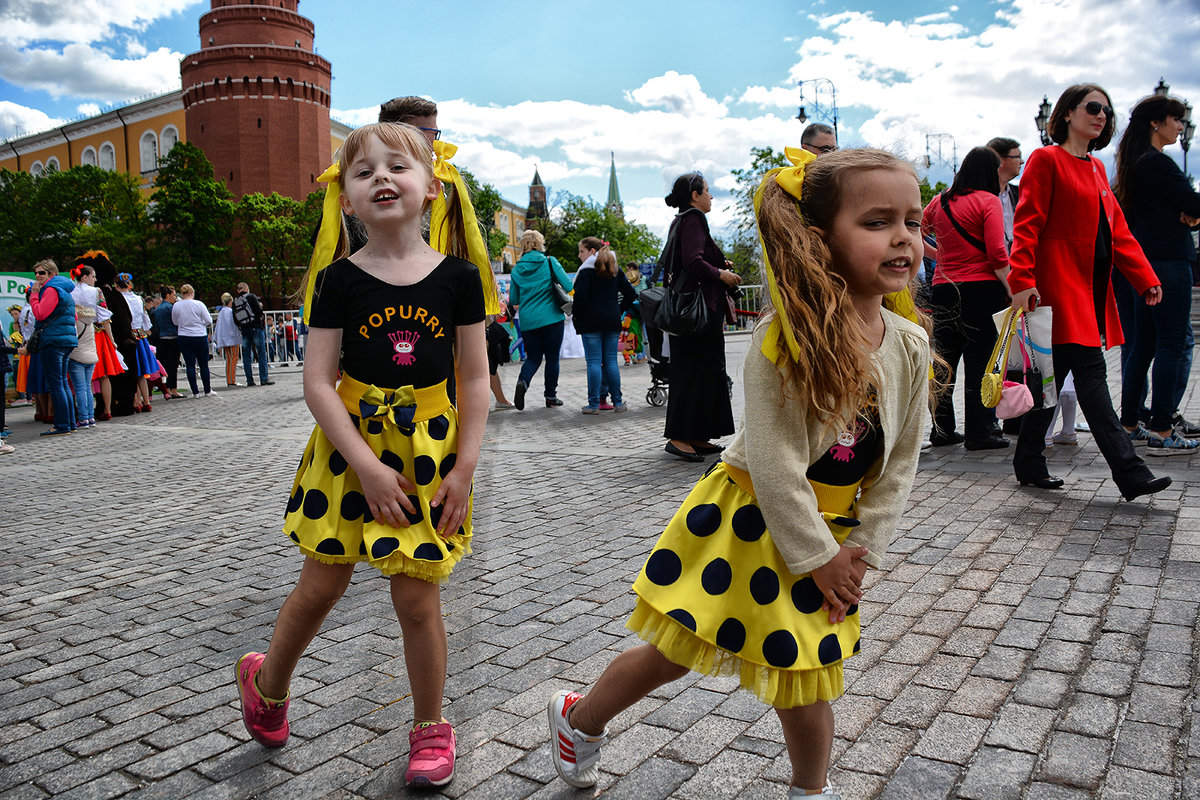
(672, 311)
(961, 230)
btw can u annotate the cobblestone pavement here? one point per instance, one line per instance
(1020, 643)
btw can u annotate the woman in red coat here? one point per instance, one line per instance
(1068, 235)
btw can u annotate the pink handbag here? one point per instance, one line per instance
(1015, 400)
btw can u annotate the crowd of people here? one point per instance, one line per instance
(759, 574)
(85, 348)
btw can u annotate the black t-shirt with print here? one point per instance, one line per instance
(395, 336)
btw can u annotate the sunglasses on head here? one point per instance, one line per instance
(1094, 107)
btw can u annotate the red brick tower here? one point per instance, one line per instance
(256, 97)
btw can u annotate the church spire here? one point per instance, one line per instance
(613, 203)
(537, 199)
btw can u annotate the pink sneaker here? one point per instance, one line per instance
(430, 755)
(605, 405)
(266, 720)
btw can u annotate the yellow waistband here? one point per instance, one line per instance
(431, 401)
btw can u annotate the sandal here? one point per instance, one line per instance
(430, 755)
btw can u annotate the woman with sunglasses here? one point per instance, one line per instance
(1068, 235)
(54, 309)
(698, 407)
(1157, 199)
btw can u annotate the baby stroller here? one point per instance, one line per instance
(660, 367)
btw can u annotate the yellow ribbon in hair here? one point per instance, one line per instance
(439, 230)
(791, 180)
(327, 236)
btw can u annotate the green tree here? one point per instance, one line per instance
(929, 192)
(118, 222)
(276, 234)
(575, 218)
(20, 226)
(194, 212)
(487, 203)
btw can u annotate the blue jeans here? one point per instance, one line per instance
(81, 384)
(1159, 334)
(195, 351)
(544, 341)
(600, 351)
(54, 370)
(255, 340)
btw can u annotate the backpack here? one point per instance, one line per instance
(243, 312)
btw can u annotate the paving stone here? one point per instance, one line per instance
(921, 779)
(1091, 715)
(1150, 748)
(1122, 782)
(1075, 760)
(997, 774)
(1020, 727)
(953, 738)
(657, 777)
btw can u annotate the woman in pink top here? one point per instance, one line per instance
(968, 287)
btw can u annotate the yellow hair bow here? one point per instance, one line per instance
(327, 236)
(439, 230)
(791, 180)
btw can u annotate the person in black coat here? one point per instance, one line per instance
(602, 293)
(698, 407)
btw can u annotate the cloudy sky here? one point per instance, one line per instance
(666, 86)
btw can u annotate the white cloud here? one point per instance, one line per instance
(79, 21)
(81, 70)
(677, 93)
(17, 120)
(88, 109)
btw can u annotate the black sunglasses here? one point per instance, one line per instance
(1094, 107)
(40, 272)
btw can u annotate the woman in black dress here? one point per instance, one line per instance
(698, 407)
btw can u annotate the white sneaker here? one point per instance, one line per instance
(576, 756)
(210, 394)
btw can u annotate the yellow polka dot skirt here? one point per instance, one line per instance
(415, 432)
(715, 596)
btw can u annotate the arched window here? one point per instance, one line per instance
(168, 139)
(149, 148)
(52, 164)
(37, 170)
(88, 157)
(108, 157)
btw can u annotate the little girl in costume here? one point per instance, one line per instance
(759, 572)
(386, 477)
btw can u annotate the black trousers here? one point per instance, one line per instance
(1091, 389)
(963, 329)
(168, 356)
(698, 406)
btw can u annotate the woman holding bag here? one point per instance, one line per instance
(541, 318)
(968, 287)
(698, 407)
(1068, 235)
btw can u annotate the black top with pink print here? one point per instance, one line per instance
(395, 336)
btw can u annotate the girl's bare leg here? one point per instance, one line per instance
(143, 390)
(419, 608)
(318, 590)
(497, 389)
(630, 677)
(808, 732)
(106, 394)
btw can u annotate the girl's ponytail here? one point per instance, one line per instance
(453, 227)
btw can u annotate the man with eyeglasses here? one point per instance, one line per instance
(819, 139)
(415, 111)
(1010, 167)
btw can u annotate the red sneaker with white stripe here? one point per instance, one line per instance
(576, 755)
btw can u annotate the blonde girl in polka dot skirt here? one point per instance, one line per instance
(386, 476)
(759, 573)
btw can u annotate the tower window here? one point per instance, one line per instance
(260, 122)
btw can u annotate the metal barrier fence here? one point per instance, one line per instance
(287, 338)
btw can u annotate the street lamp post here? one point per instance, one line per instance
(1042, 120)
(937, 139)
(827, 111)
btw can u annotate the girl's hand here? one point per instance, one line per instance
(386, 492)
(1153, 295)
(453, 497)
(1026, 300)
(840, 579)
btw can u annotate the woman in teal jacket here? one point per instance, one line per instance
(538, 314)
(54, 310)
